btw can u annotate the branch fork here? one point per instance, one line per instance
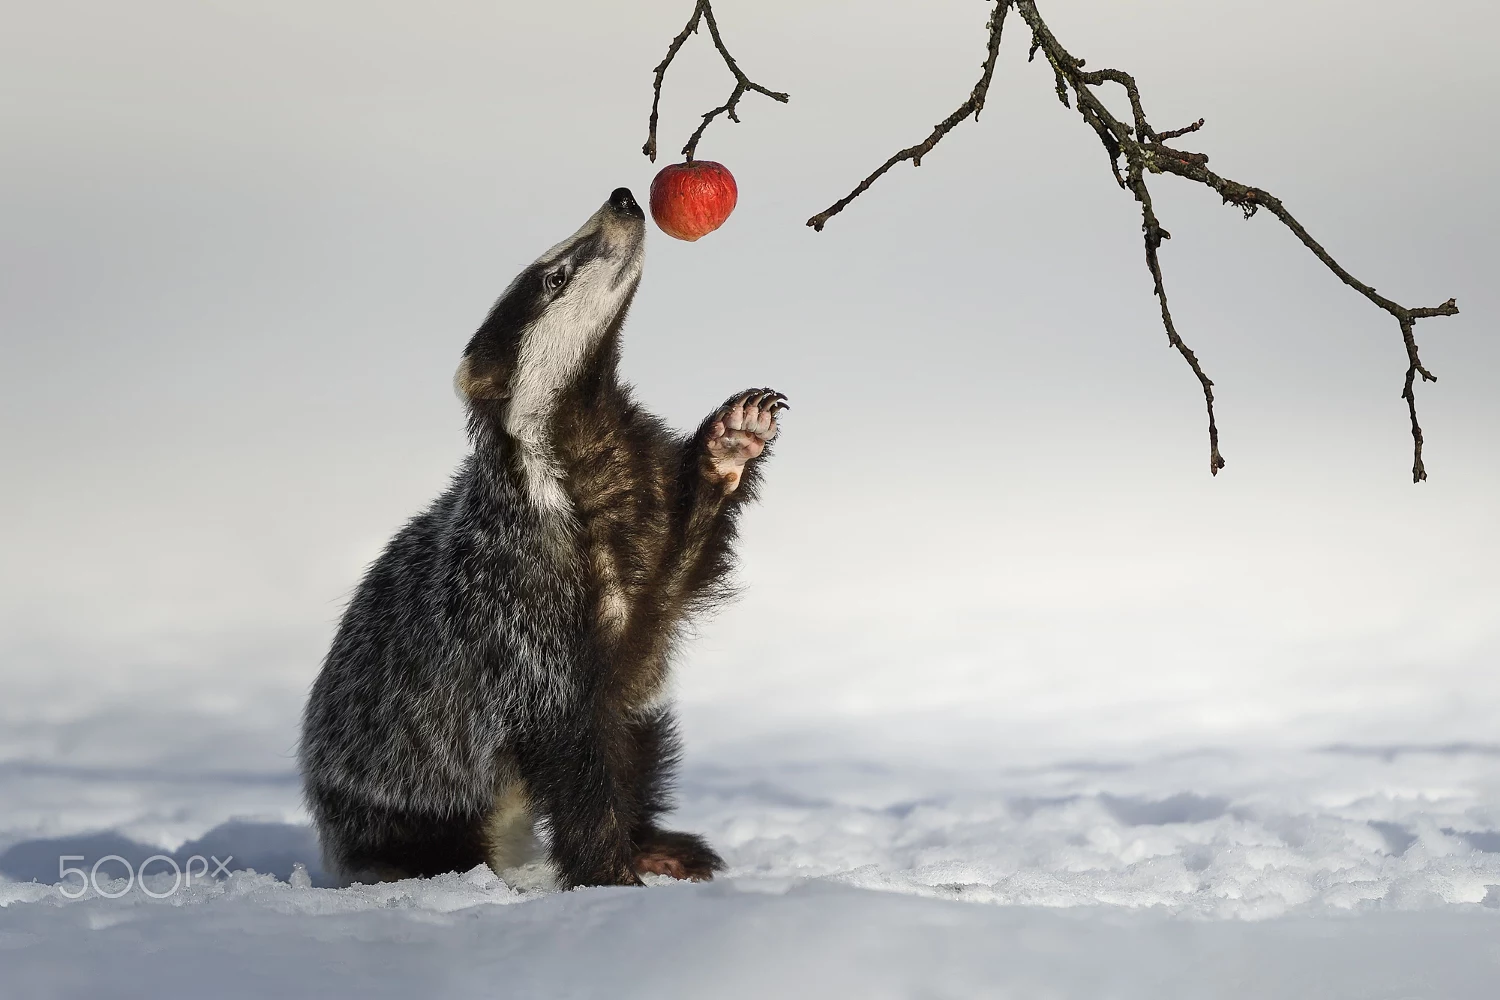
(703, 11)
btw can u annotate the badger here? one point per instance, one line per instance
(500, 670)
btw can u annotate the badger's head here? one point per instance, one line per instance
(558, 321)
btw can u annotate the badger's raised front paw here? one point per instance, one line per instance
(679, 855)
(740, 431)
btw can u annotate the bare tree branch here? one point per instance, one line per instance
(1145, 152)
(703, 11)
(661, 73)
(972, 106)
(1154, 236)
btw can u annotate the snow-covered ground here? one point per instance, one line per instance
(858, 868)
(463, 935)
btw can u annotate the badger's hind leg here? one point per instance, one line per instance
(656, 749)
(364, 842)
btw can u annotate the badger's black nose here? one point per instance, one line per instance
(621, 200)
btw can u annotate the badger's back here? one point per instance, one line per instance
(464, 624)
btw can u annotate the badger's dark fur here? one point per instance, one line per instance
(503, 660)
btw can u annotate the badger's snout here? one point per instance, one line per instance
(623, 202)
(619, 227)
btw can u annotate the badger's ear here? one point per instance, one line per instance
(475, 380)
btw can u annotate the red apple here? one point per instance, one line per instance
(692, 199)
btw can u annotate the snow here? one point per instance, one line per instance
(461, 935)
(1340, 871)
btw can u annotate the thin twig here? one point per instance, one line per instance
(1154, 236)
(661, 73)
(1178, 133)
(972, 106)
(742, 84)
(1145, 152)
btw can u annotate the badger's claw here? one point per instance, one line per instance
(740, 431)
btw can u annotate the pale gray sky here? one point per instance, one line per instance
(243, 245)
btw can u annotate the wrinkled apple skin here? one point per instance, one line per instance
(690, 200)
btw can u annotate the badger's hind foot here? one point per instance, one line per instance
(740, 431)
(678, 855)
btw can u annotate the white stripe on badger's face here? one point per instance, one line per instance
(554, 347)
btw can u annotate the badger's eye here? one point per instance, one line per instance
(556, 279)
